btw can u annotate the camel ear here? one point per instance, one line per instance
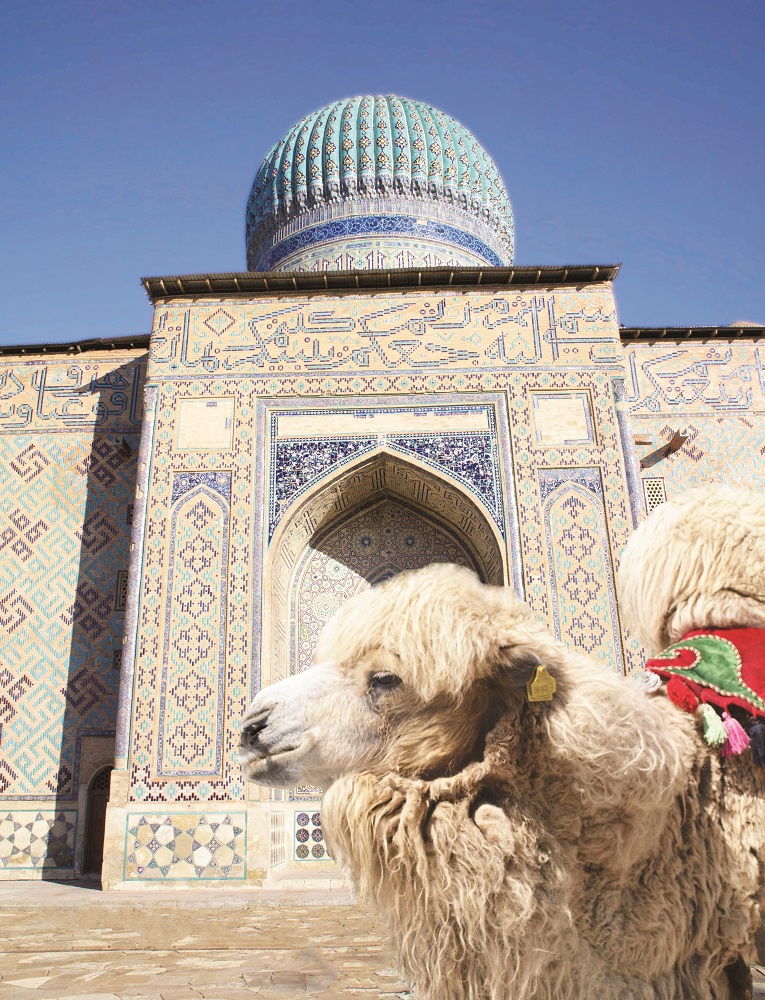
(527, 676)
(517, 666)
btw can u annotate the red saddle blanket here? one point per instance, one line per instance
(722, 666)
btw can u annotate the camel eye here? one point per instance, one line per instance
(384, 682)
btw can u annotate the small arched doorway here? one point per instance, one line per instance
(95, 821)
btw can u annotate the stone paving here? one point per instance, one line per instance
(73, 942)
(65, 942)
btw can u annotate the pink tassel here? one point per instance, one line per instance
(737, 740)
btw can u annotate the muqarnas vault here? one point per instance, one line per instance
(383, 389)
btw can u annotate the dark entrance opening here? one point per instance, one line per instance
(95, 820)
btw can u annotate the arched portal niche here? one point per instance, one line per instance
(374, 518)
(370, 545)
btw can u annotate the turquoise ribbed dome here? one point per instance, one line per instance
(379, 160)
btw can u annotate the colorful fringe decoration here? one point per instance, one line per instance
(715, 732)
(724, 668)
(737, 740)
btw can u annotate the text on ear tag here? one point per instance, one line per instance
(541, 687)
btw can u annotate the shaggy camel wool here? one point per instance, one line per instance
(592, 846)
(588, 847)
(697, 562)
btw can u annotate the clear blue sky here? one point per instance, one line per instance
(131, 132)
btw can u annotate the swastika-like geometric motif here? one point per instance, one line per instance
(584, 609)
(29, 463)
(309, 838)
(369, 547)
(64, 541)
(37, 840)
(191, 699)
(186, 845)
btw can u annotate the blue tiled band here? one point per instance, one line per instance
(380, 225)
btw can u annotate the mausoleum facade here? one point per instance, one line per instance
(385, 388)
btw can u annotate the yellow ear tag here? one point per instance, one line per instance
(541, 687)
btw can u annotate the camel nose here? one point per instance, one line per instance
(251, 731)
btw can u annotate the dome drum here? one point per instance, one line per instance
(456, 239)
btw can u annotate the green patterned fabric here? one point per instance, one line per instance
(718, 666)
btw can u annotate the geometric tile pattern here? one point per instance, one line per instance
(218, 482)
(584, 604)
(471, 458)
(297, 463)
(441, 173)
(714, 393)
(533, 474)
(64, 538)
(205, 535)
(186, 845)
(451, 346)
(352, 248)
(191, 698)
(38, 840)
(720, 448)
(309, 838)
(303, 793)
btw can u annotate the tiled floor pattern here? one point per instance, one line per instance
(63, 943)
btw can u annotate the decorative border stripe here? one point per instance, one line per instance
(220, 486)
(378, 225)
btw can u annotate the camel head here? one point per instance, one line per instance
(408, 677)
(697, 561)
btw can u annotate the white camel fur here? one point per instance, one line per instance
(591, 846)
